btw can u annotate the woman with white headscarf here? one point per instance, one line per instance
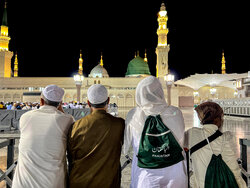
(151, 102)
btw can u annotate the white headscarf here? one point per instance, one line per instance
(150, 100)
(150, 96)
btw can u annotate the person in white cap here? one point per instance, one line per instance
(95, 145)
(151, 105)
(43, 141)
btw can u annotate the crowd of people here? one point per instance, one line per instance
(19, 105)
(36, 105)
(93, 144)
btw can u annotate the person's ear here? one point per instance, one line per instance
(42, 102)
(88, 103)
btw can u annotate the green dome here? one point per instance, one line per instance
(137, 67)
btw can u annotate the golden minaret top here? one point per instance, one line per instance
(80, 63)
(101, 61)
(145, 58)
(16, 66)
(162, 30)
(223, 64)
(4, 34)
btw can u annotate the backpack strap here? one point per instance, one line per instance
(205, 142)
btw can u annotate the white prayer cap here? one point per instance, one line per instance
(97, 94)
(53, 93)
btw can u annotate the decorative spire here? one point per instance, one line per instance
(135, 54)
(145, 58)
(101, 61)
(16, 66)
(80, 63)
(4, 20)
(163, 7)
(223, 64)
(138, 53)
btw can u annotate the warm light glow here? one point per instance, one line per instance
(4, 31)
(16, 67)
(223, 64)
(169, 78)
(196, 93)
(212, 91)
(163, 13)
(164, 44)
(238, 84)
(236, 93)
(80, 64)
(145, 57)
(4, 39)
(78, 79)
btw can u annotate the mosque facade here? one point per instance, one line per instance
(121, 89)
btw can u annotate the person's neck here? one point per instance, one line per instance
(96, 109)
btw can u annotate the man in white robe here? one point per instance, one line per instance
(42, 146)
(150, 100)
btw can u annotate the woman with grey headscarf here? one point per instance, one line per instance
(150, 101)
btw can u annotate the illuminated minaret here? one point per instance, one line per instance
(145, 57)
(16, 66)
(223, 64)
(162, 47)
(5, 54)
(101, 61)
(80, 63)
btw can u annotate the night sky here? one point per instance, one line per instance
(48, 35)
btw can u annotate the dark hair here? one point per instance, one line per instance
(50, 103)
(208, 112)
(101, 105)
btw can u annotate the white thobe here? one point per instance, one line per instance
(42, 148)
(170, 177)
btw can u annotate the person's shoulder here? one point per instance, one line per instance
(64, 114)
(228, 136)
(116, 119)
(82, 121)
(194, 131)
(131, 113)
(29, 113)
(172, 111)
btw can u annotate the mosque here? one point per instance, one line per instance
(121, 90)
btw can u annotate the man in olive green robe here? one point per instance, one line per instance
(94, 145)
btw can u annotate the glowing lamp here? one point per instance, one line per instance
(236, 93)
(163, 13)
(196, 93)
(78, 79)
(169, 78)
(212, 91)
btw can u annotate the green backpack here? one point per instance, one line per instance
(158, 147)
(219, 174)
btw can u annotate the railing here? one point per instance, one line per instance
(244, 143)
(237, 106)
(10, 118)
(7, 139)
